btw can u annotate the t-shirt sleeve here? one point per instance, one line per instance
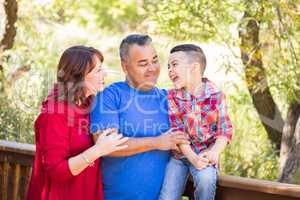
(105, 110)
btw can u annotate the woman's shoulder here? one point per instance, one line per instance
(50, 118)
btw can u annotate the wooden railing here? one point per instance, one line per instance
(16, 161)
(15, 168)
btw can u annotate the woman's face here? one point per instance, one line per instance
(94, 80)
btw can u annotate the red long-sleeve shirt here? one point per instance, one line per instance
(61, 132)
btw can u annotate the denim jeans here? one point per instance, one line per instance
(176, 176)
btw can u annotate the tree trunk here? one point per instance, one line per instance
(290, 146)
(256, 80)
(11, 12)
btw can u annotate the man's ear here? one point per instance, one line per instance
(124, 65)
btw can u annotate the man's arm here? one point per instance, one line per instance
(163, 142)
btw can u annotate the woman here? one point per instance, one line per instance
(66, 164)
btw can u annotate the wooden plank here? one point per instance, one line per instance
(16, 147)
(24, 181)
(239, 188)
(224, 193)
(16, 182)
(14, 158)
(262, 186)
(4, 181)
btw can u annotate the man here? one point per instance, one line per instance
(138, 110)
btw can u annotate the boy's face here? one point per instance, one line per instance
(180, 69)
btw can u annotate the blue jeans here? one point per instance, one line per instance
(176, 176)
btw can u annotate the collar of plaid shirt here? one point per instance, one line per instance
(208, 89)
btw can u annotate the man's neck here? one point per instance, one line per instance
(137, 87)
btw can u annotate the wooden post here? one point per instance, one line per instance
(16, 182)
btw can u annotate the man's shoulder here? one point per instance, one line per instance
(120, 85)
(115, 88)
(163, 92)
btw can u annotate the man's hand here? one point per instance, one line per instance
(170, 140)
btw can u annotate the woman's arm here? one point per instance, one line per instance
(56, 153)
(108, 142)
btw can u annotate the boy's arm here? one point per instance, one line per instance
(214, 152)
(224, 132)
(220, 144)
(197, 161)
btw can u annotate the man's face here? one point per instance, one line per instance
(142, 67)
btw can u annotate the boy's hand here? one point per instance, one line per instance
(170, 140)
(213, 153)
(200, 162)
(212, 156)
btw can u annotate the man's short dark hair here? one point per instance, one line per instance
(139, 39)
(194, 52)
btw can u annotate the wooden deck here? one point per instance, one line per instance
(16, 161)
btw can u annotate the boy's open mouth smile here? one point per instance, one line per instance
(174, 78)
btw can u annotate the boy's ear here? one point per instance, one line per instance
(196, 67)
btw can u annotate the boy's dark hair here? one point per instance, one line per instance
(194, 52)
(139, 39)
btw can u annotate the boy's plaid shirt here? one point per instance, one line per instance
(204, 118)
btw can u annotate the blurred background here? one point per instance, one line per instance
(252, 47)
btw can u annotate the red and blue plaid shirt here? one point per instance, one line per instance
(203, 118)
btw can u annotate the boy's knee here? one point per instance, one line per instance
(206, 179)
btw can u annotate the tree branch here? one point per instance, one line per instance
(11, 11)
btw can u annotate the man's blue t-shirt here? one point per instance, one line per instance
(135, 114)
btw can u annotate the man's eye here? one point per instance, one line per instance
(155, 61)
(143, 65)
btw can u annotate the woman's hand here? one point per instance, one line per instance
(109, 141)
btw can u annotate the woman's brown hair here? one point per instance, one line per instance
(74, 64)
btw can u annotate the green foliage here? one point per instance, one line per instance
(197, 20)
(250, 153)
(112, 15)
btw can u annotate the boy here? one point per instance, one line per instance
(198, 109)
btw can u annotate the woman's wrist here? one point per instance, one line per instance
(97, 150)
(87, 160)
(92, 154)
